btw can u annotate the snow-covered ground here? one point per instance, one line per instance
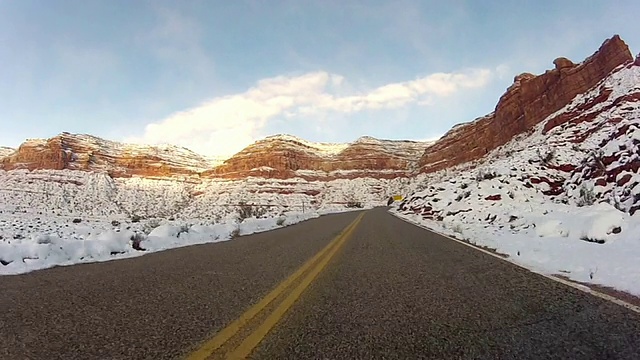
(51, 217)
(32, 242)
(561, 202)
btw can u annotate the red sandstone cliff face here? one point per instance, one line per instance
(89, 153)
(284, 156)
(279, 156)
(526, 103)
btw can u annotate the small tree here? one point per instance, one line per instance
(245, 211)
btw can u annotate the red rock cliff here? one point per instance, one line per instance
(279, 156)
(284, 156)
(89, 153)
(526, 103)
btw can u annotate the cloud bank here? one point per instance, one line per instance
(224, 125)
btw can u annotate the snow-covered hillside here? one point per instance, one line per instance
(59, 217)
(561, 199)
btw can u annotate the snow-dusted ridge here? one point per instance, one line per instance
(409, 148)
(326, 149)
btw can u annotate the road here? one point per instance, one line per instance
(379, 288)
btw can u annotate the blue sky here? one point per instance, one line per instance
(214, 76)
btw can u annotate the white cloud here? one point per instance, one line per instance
(224, 125)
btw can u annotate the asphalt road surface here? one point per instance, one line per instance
(379, 289)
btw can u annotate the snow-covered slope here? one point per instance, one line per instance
(60, 217)
(561, 199)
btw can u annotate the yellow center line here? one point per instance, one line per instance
(250, 342)
(206, 349)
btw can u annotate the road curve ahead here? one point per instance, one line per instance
(362, 285)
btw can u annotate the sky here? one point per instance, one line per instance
(214, 76)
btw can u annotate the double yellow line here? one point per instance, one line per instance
(311, 268)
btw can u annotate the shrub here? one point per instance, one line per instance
(485, 175)
(76, 221)
(245, 211)
(183, 229)
(281, 221)
(463, 195)
(115, 223)
(136, 218)
(594, 158)
(354, 204)
(235, 233)
(587, 196)
(546, 156)
(136, 239)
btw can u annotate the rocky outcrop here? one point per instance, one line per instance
(526, 103)
(89, 153)
(279, 157)
(284, 156)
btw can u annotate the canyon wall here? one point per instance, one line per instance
(526, 103)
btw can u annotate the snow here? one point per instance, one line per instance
(548, 220)
(552, 243)
(63, 217)
(63, 244)
(400, 148)
(552, 228)
(325, 149)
